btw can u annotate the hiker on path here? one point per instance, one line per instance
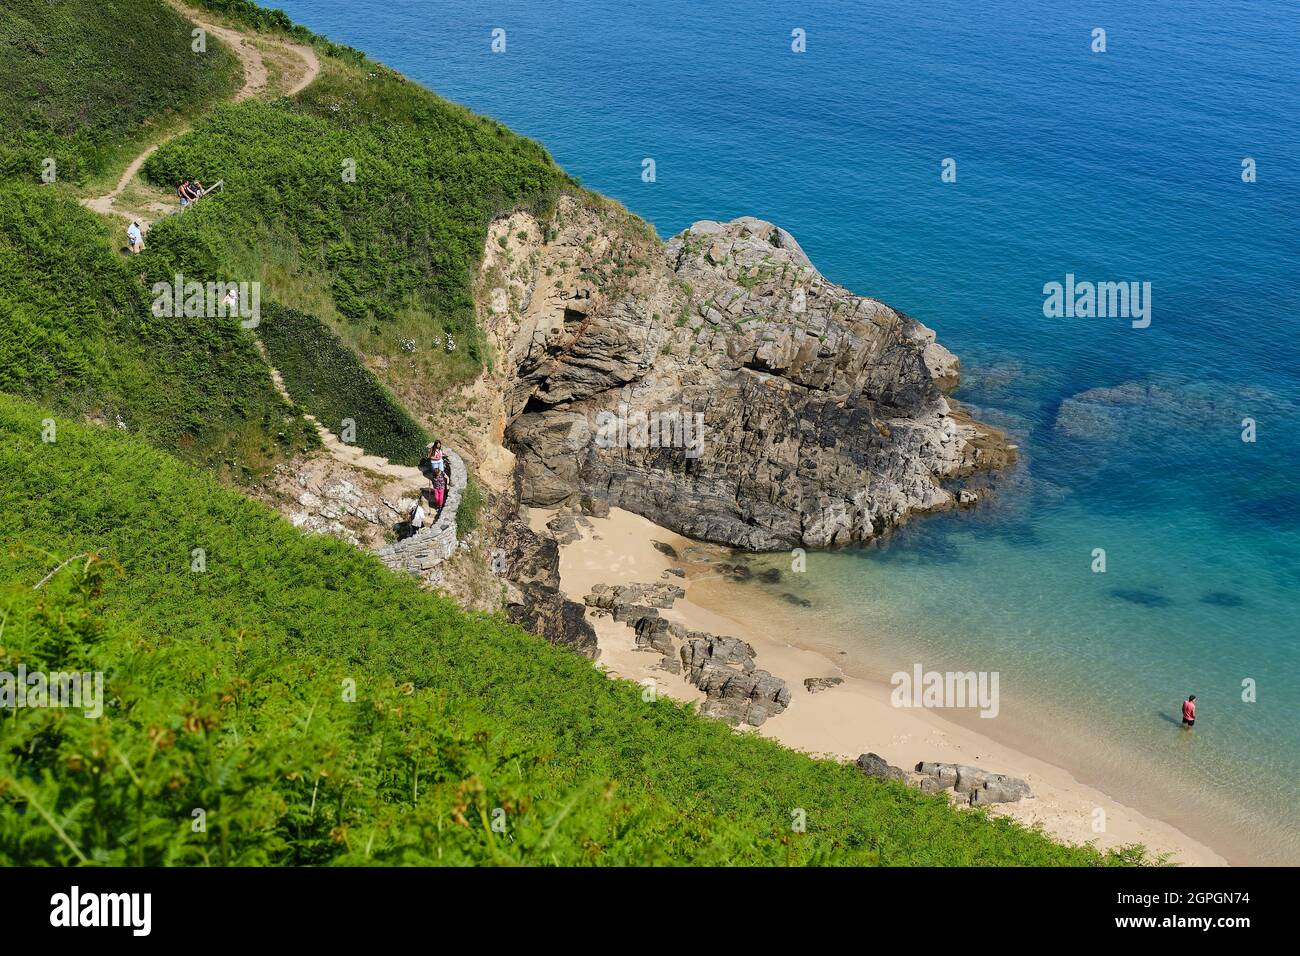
(416, 520)
(134, 238)
(1189, 711)
(439, 489)
(186, 192)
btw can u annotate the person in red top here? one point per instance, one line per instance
(1189, 711)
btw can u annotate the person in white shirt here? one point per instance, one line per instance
(135, 238)
(417, 517)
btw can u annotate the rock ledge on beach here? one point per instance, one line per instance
(874, 765)
(737, 691)
(980, 786)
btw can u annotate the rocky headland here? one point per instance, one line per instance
(798, 414)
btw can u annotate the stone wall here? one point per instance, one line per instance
(432, 544)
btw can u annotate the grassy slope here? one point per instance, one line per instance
(326, 378)
(84, 83)
(76, 330)
(386, 257)
(229, 682)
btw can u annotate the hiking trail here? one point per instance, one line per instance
(420, 553)
(423, 551)
(255, 79)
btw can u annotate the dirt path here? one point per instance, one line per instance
(308, 56)
(255, 80)
(338, 449)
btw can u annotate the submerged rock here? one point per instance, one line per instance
(1222, 599)
(1138, 596)
(664, 548)
(1140, 411)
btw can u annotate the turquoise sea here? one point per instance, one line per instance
(1122, 165)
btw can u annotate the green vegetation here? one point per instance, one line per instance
(365, 201)
(78, 332)
(84, 83)
(326, 378)
(277, 698)
(227, 689)
(471, 502)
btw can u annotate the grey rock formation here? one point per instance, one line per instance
(531, 565)
(874, 765)
(610, 597)
(737, 691)
(546, 612)
(822, 414)
(980, 787)
(708, 649)
(722, 667)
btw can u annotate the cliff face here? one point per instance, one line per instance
(718, 384)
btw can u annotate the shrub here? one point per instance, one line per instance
(326, 378)
(471, 502)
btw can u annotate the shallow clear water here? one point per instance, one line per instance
(1123, 165)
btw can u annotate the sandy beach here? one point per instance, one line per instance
(853, 717)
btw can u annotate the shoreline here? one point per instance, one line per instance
(846, 720)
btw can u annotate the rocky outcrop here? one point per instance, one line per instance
(549, 614)
(529, 566)
(874, 765)
(722, 667)
(737, 691)
(980, 787)
(610, 596)
(727, 390)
